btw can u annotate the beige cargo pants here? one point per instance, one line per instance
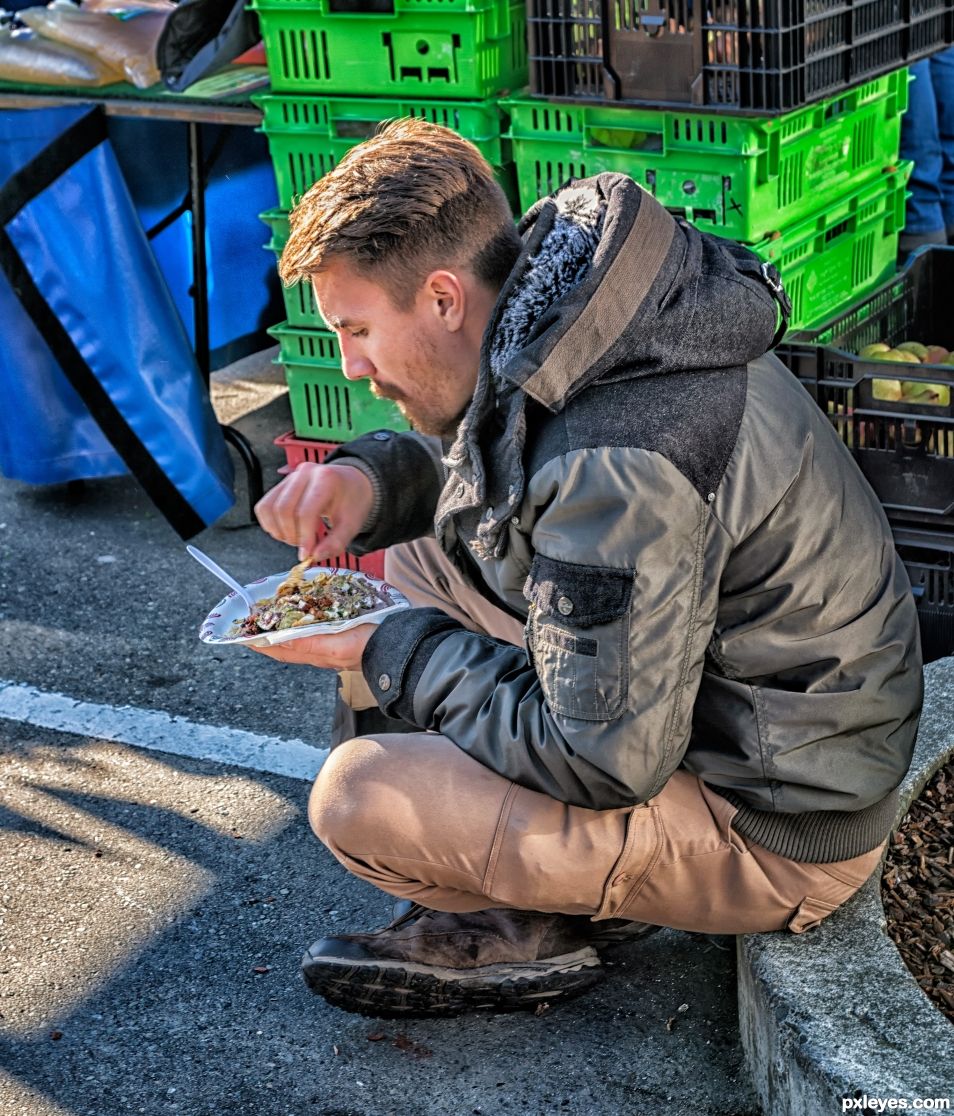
(422, 820)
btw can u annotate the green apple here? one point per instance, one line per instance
(888, 390)
(874, 350)
(936, 354)
(937, 395)
(919, 350)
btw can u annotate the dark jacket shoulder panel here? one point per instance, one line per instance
(693, 421)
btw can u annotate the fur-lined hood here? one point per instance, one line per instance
(609, 286)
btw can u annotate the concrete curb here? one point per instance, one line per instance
(835, 1015)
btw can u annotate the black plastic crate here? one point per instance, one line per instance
(762, 56)
(904, 446)
(929, 560)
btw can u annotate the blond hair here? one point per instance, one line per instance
(412, 198)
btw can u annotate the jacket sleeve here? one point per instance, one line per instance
(406, 478)
(596, 708)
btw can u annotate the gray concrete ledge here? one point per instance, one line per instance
(835, 1013)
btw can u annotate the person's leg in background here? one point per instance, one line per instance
(921, 142)
(942, 80)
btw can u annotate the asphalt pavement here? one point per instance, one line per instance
(154, 905)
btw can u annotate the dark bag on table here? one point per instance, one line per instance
(202, 37)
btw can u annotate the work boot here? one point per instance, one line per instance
(434, 963)
(603, 935)
(612, 932)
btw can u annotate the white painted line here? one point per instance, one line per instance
(160, 732)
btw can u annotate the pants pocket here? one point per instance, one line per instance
(853, 873)
(633, 867)
(549, 856)
(809, 914)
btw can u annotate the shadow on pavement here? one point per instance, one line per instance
(154, 912)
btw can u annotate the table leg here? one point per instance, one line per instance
(200, 310)
(200, 286)
(253, 467)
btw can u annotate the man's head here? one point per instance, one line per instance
(407, 243)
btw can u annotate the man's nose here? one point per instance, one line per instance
(353, 365)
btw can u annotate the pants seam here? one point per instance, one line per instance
(726, 846)
(497, 844)
(393, 859)
(619, 864)
(653, 861)
(825, 869)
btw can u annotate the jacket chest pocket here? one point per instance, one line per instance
(578, 636)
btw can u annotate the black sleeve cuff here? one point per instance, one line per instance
(398, 652)
(406, 487)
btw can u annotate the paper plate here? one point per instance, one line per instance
(218, 623)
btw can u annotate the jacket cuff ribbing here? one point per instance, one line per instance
(357, 546)
(405, 482)
(397, 654)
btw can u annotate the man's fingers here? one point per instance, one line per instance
(341, 651)
(332, 544)
(275, 509)
(294, 510)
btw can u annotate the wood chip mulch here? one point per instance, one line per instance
(917, 889)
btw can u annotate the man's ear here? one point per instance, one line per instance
(447, 297)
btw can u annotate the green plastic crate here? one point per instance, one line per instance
(311, 346)
(741, 177)
(277, 221)
(423, 48)
(324, 405)
(300, 307)
(829, 261)
(307, 136)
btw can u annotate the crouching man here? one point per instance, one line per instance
(662, 667)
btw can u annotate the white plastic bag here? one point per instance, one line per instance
(126, 7)
(27, 57)
(128, 45)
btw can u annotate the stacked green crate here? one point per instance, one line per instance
(339, 68)
(324, 404)
(819, 191)
(412, 48)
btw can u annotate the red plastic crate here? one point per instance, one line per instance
(299, 450)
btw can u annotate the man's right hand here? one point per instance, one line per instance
(293, 510)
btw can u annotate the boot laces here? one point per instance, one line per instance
(405, 911)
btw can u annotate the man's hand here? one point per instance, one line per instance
(341, 651)
(294, 509)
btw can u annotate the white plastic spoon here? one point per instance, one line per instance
(214, 567)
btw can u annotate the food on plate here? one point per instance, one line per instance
(329, 596)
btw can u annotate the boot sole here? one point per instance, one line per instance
(403, 989)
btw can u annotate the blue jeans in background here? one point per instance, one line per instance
(927, 137)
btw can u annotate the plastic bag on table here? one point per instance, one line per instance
(129, 44)
(28, 57)
(128, 7)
